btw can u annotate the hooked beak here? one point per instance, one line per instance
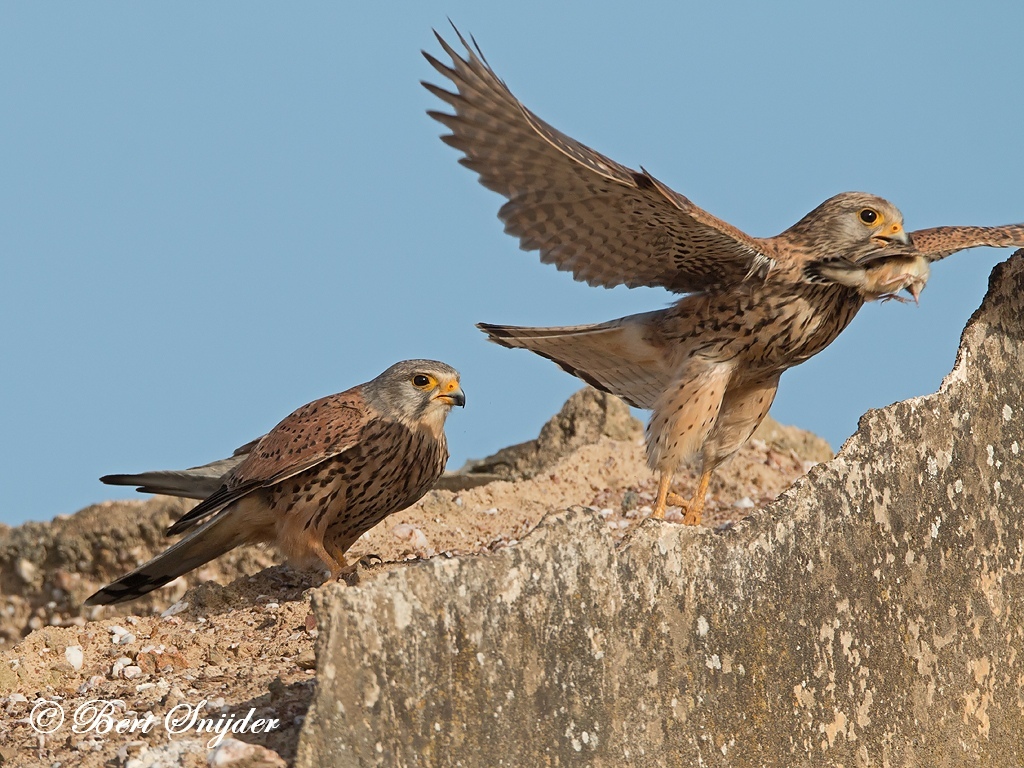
(452, 394)
(894, 233)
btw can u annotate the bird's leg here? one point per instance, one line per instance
(695, 507)
(888, 296)
(347, 568)
(660, 504)
(335, 560)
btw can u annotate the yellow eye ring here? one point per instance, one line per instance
(422, 381)
(871, 217)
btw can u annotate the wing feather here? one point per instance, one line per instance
(939, 242)
(311, 435)
(587, 214)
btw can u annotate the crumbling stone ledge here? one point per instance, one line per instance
(872, 616)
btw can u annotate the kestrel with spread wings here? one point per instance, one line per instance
(707, 367)
(312, 485)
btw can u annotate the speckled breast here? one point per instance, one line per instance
(388, 469)
(770, 328)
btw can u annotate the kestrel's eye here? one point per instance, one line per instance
(869, 216)
(421, 381)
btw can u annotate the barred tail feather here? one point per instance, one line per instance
(221, 534)
(614, 357)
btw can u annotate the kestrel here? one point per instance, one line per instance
(707, 367)
(312, 485)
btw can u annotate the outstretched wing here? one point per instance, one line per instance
(314, 433)
(586, 214)
(939, 242)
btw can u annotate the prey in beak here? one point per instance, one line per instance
(885, 278)
(880, 278)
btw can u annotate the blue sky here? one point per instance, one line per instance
(214, 213)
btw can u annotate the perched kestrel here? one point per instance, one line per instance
(708, 367)
(313, 484)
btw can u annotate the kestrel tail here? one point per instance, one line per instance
(312, 485)
(193, 483)
(709, 366)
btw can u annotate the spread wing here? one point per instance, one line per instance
(312, 434)
(939, 242)
(586, 214)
